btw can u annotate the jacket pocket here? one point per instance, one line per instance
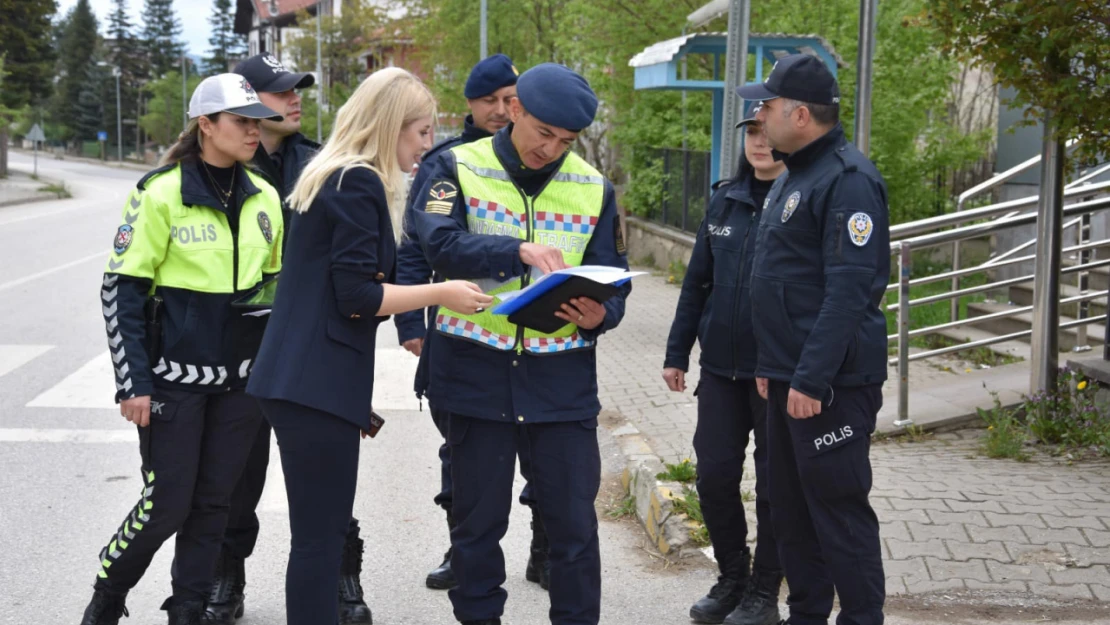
(357, 337)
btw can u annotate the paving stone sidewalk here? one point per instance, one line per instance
(951, 519)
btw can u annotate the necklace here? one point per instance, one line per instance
(223, 196)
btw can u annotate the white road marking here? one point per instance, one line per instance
(13, 357)
(42, 435)
(91, 386)
(47, 272)
(40, 215)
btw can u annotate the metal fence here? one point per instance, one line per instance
(686, 180)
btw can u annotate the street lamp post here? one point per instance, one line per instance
(184, 106)
(119, 117)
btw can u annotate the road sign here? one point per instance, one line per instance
(36, 134)
(102, 135)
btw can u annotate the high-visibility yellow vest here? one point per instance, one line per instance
(563, 215)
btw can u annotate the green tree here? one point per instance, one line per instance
(161, 35)
(77, 45)
(128, 55)
(225, 46)
(25, 46)
(1054, 55)
(165, 113)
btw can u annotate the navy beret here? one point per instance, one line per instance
(557, 95)
(489, 75)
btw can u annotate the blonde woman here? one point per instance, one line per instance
(315, 370)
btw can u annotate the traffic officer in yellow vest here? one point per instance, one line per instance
(197, 234)
(501, 211)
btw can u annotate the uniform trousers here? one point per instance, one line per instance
(828, 534)
(319, 458)
(192, 453)
(729, 411)
(566, 475)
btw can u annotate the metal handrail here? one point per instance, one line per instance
(1002, 314)
(940, 277)
(913, 228)
(998, 179)
(1002, 338)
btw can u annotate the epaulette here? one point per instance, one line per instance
(153, 173)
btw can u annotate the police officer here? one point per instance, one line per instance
(821, 266)
(196, 233)
(715, 308)
(500, 211)
(281, 155)
(489, 89)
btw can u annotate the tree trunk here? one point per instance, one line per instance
(3, 149)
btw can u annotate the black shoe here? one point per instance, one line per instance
(185, 612)
(760, 603)
(538, 570)
(443, 578)
(489, 621)
(225, 602)
(726, 593)
(352, 607)
(105, 608)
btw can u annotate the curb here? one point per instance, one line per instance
(668, 529)
(90, 161)
(41, 196)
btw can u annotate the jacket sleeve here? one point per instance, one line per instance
(412, 265)
(354, 207)
(138, 250)
(697, 286)
(854, 225)
(452, 251)
(606, 247)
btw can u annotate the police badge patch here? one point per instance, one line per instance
(791, 205)
(860, 228)
(123, 239)
(266, 227)
(441, 197)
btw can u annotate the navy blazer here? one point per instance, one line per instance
(318, 349)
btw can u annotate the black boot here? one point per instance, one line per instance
(443, 578)
(105, 608)
(225, 602)
(539, 568)
(725, 594)
(760, 603)
(184, 612)
(352, 608)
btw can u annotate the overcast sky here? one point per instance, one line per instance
(194, 23)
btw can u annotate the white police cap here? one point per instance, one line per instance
(230, 93)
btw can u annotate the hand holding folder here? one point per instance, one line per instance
(535, 306)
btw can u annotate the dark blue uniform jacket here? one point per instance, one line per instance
(318, 350)
(476, 381)
(715, 304)
(821, 267)
(412, 266)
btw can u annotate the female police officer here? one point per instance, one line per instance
(197, 232)
(315, 371)
(715, 307)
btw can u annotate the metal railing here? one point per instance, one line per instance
(910, 237)
(686, 180)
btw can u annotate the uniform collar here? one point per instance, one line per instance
(195, 192)
(807, 155)
(506, 152)
(471, 132)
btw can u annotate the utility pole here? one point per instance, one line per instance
(483, 50)
(119, 118)
(868, 10)
(184, 96)
(319, 78)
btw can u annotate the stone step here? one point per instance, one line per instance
(1022, 295)
(966, 334)
(1024, 321)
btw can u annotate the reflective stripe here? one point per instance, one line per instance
(129, 529)
(470, 330)
(551, 345)
(567, 177)
(486, 172)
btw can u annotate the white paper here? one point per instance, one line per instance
(257, 313)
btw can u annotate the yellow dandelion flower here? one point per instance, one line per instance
(1082, 385)
(990, 427)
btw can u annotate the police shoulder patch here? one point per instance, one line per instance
(860, 228)
(266, 227)
(791, 205)
(124, 235)
(441, 197)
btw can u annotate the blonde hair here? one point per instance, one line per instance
(366, 132)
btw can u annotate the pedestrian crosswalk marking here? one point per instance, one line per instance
(88, 387)
(13, 357)
(43, 435)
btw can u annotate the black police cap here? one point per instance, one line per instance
(797, 77)
(267, 74)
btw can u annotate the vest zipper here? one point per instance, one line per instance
(527, 277)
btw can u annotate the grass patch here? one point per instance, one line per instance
(676, 272)
(59, 190)
(684, 472)
(690, 505)
(979, 356)
(626, 508)
(1006, 434)
(746, 496)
